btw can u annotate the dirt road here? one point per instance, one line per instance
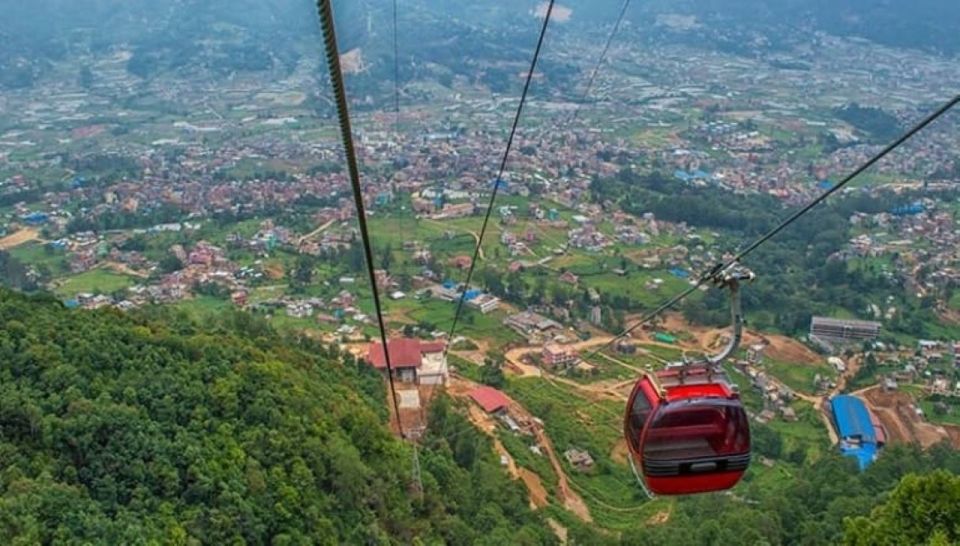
(710, 339)
(515, 356)
(853, 366)
(316, 232)
(571, 500)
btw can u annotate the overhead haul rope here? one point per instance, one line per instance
(585, 96)
(346, 130)
(603, 57)
(493, 197)
(497, 181)
(711, 274)
(396, 72)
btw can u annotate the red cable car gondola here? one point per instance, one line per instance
(685, 427)
(688, 432)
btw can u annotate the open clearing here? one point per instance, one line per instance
(16, 239)
(896, 411)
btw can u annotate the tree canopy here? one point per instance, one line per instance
(921, 510)
(151, 429)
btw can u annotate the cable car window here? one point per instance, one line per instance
(707, 428)
(637, 417)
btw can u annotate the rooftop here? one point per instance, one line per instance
(489, 398)
(404, 353)
(853, 418)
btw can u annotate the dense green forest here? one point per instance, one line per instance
(148, 428)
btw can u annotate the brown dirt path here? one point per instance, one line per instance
(571, 499)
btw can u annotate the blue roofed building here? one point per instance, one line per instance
(36, 218)
(908, 210)
(472, 293)
(861, 434)
(697, 174)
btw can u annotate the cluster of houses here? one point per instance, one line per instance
(776, 396)
(896, 233)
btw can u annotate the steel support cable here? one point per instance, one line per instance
(710, 274)
(497, 181)
(343, 113)
(603, 57)
(396, 72)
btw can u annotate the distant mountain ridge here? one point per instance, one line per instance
(488, 39)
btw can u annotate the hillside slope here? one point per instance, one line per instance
(118, 429)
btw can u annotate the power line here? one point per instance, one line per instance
(709, 275)
(340, 95)
(497, 181)
(603, 56)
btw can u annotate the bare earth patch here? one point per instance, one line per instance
(352, 61)
(16, 239)
(659, 518)
(896, 411)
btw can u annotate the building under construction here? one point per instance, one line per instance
(829, 331)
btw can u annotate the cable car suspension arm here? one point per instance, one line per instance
(730, 278)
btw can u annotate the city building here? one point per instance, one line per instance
(485, 303)
(555, 356)
(830, 330)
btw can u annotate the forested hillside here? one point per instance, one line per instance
(148, 428)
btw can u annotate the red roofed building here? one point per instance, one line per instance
(490, 399)
(412, 360)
